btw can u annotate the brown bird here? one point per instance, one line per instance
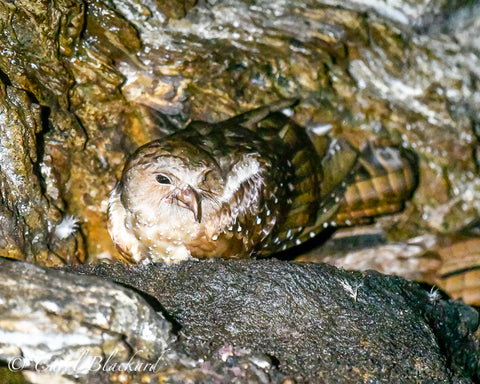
(249, 186)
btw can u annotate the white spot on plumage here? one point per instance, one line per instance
(312, 234)
(319, 129)
(298, 242)
(259, 221)
(214, 237)
(288, 112)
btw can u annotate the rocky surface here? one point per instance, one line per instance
(49, 317)
(224, 321)
(315, 321)
(63, 328)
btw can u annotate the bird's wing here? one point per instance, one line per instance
(123, 238)
(249, 119)
(244, 189)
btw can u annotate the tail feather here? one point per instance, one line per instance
(337, 164)
(385, 178)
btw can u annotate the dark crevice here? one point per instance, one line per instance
(461, 271)
(156, 306)
(83, 31)
(305, 247)
(46, 126)
(131, 348)
(4, 78)
(456, 345)
(40, 147)
(84, 130)
(274, 360)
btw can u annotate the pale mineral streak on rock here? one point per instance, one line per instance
(52, 318)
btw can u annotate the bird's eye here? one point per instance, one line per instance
(205, 175)
(162, 179)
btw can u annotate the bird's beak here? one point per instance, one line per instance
(188, 198)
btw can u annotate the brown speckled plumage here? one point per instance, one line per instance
(251, 185)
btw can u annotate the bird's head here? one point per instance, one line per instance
(170, 179)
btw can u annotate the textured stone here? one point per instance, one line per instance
(319, 323)
(48, 316)
(55, 326)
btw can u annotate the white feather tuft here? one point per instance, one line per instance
(434, 295)
(67, 227)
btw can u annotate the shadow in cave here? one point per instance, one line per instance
(157, 307)
(305, 247)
